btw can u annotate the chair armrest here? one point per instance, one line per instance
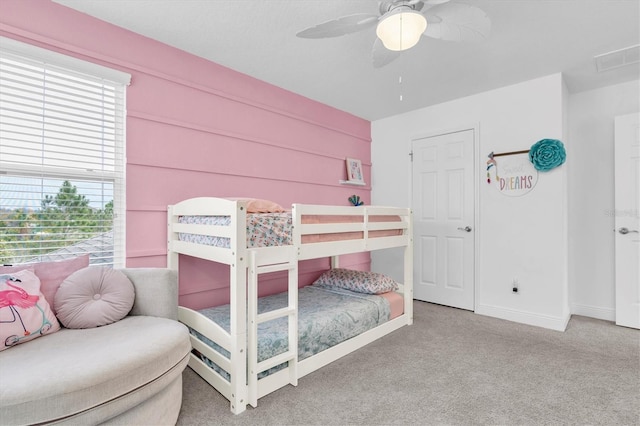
(156, 291)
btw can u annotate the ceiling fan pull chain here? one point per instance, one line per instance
(400, 76)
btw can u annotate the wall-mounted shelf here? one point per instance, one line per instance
(348, 182)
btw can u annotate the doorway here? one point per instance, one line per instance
(627, 219)
(443, 200)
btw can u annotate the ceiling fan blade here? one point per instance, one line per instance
(381, 55)
(457, 22)
(340, 26)
(434, 2)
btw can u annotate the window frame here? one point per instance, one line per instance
(50, 59)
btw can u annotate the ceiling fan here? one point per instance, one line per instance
(401, 23)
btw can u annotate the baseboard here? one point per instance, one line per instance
(529, 318)
(597, 312)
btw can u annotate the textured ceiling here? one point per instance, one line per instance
(529, 39)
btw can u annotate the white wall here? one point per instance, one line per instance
(591, 196)
(524, 237)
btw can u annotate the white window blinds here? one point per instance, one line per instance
(62, 128)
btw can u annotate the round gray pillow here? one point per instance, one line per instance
(93, 296)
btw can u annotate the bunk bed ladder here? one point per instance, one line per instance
(289, 263)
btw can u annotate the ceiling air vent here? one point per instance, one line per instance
(618, 58)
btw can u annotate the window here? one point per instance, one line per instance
(62, 162)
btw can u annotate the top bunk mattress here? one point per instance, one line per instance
(275, 229)
(263, 230)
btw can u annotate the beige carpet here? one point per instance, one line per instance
(457, 368)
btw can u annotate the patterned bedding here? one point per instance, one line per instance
(326, 317)
(263, 230)
(274, 229)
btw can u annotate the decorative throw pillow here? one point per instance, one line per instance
(358, 281)
(257, 205)
(12, 269)
(94, 296)
(51, 274)
(24, 311)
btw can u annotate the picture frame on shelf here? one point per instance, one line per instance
(355, 174)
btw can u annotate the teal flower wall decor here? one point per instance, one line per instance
(547, 154)
(355, 200)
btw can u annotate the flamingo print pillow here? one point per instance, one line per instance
(24, 312)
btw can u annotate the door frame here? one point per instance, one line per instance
(621, 124)
(476, 190)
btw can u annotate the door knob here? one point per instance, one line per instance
(466, 228)
(622, 230)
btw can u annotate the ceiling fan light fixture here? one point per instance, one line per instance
(401, 29)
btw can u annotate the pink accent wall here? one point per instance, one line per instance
(195, 128)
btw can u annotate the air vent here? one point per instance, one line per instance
(618, 58)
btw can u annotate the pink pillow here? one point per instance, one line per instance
(52, 274)
(10, 269)
(24, 311)
(256, 205)
(94, 296)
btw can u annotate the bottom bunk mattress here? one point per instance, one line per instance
(327, 316)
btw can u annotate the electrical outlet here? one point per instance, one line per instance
(514, 285)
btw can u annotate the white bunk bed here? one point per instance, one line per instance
(366, 232)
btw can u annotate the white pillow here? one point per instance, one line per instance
(25, 312)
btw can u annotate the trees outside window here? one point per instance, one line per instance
(62, 220)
